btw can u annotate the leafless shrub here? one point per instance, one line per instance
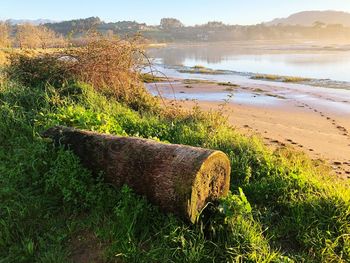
(109, 65)
(5, 40)
(30, 36)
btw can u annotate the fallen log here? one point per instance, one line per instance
(179, 179)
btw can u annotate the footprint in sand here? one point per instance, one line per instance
(276, 142)
(292, 142)
(342, 129)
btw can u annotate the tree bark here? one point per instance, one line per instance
(179, 179)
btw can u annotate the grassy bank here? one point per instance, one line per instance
(282, 206)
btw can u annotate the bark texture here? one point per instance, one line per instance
(179, 179)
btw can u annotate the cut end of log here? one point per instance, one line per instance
(211, 182)
(179, 179)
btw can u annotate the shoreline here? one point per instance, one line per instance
(264, 77)
(316, 123)
(288, 45)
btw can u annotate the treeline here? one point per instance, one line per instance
(75, 32)
(172, 30)
(217, 31)
(29, 36)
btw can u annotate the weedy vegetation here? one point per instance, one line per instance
(201, 70)
(282, 207)
(228, 84)
(3, 58)
(280, 78)
(151, 78)
(197, 81)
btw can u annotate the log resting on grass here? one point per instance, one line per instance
(179, 179)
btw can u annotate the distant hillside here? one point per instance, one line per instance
(308, 18)
(172, 30)
(76, 25)
(331, 25)
(33, 22)
(80, 26)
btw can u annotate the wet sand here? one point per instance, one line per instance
(312, 119)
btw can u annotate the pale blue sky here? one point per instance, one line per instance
(151, 11)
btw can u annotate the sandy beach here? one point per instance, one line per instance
(311, 119)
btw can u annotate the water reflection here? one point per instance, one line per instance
(314, 63)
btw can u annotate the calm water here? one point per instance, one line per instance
(312, 63)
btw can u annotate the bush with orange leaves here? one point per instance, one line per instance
(110, 66)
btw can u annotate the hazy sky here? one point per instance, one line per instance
(151, 11)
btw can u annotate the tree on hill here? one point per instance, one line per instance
(170, 23)
(215, 24)
(75, 26)
(318, 24)
(5, 40)
(27, 37)
(30, 36)
(50, 38)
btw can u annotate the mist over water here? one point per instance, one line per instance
(328, 62)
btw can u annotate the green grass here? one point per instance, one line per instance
(258, 90)
(197, 81)
(280, 78)
(199, 67)
(150, 78)
(275, 96)
(201, 70)
(294, 79)
(228, 84)
(281, 207)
